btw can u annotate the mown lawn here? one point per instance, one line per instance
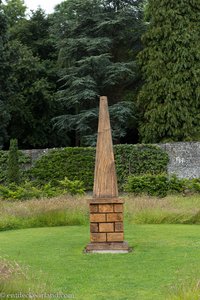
(164, 256)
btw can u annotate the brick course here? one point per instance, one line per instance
(97, 217)
(106, 227)
(106, 208)
(98, 237)
(115, 237)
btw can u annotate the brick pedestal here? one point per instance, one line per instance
(106, 226)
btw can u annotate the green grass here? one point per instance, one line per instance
(66, 210)
(164, 265)
(60, 211)
(174, 209)
(15, 279)
(164, 257)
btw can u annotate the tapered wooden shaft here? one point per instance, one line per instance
(105, 179)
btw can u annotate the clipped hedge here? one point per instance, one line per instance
(139, 159)
(78, 163)
(73, 163)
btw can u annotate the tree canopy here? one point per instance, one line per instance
(97, 52)
(170, 60)
(4, 83)
(54, 67)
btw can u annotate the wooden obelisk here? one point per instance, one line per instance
(106, 209)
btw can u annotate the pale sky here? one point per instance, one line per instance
(47, 5)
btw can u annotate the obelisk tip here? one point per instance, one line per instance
(103, 98)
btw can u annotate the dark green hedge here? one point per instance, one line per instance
(73, 163)
(78, 163)
(138, 160)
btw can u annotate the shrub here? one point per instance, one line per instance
(72, 187)
(154, 185)
(48, 190)
(22, 192)
(194, 185)
(176, 184)
(161, 185)
(29, 190)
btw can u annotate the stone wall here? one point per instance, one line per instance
(34, 154)
(184, 158)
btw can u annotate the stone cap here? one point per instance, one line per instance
(105, 200)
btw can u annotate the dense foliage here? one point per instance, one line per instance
(54, 67)
(29, 190)
(4, 84)
(97, 54)
(170, 96)
(139, 159)
(78, 163)
(161, 185)
(23, 161)
(73, 163)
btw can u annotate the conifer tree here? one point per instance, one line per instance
(4, 84)
(13, 163)
(97, 42)
(170, 97)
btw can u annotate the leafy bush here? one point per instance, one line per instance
(29, 190)
(176, 184)
(78, 164)
(22, 192)
(161, 185)
(194, 185)
(48, 190)
(154, 185)
(72, 187)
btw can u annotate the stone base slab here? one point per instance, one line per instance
(121, 247)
